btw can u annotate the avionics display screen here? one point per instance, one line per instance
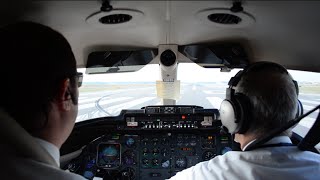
(109, 155)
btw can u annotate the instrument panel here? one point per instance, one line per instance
(155, 144)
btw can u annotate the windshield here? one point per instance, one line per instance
(107, 94)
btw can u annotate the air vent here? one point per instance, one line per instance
(115, 19)
(224, 18)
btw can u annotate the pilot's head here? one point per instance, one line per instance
(267, 97)
(38, 80)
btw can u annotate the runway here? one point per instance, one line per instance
(110, 103)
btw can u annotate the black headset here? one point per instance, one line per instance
(235, 110)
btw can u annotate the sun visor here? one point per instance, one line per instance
(100, 62)
(231, 55)
(168, 90)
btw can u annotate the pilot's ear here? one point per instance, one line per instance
(63, 97)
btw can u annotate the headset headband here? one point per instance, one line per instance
(256, 67)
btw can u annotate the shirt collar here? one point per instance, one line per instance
(51, 149)
(275, 140)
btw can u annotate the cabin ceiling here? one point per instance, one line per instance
(286, 32)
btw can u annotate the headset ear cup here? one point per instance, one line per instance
(228, 116)
(243, 112)
(300, 108)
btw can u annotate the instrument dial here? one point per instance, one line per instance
(181, 162)
(208, 155)
(145, 162)
(130, 142)
(129, 158)
(145, 151)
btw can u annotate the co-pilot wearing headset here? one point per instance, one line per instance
(259, 99)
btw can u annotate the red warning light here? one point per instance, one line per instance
(183, 117)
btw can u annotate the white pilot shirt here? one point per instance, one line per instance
(284, 162)
(14, 167)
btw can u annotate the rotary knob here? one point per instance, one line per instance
(145, 162)
(155, 151)
(155, 141)
(145, 151)
(155, 162)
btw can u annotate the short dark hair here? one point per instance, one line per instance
(273, 97)
(34, 61)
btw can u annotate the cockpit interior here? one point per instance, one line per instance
(156, 72)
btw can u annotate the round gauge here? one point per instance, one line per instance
(145, 151)
(128, 173)
(181, 162)
(145, 162)
(208, 155)
(155, 151)
(155, 162)
(129, 158)
(130, 142)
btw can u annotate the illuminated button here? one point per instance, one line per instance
(165, 163)
(184, 126)
(115, 137)
(193, 143)
(224, 138)
(183, 117)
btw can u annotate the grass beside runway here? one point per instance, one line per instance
(313, 89)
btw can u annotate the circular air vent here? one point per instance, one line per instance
(224, 18)
(115, 19)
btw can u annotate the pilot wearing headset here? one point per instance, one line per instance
(259, 99)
